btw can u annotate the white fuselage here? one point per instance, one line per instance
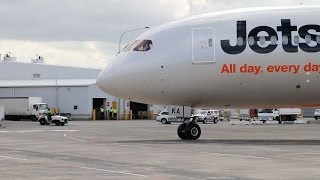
(239, 58)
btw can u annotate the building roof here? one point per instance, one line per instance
(47, 82)
(27, 71)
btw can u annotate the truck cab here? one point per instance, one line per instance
(37, 110)
(267, 114)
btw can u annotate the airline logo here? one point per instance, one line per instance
(311, 43)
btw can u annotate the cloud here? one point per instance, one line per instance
(89, 54)
(80, 20)
(86, 33)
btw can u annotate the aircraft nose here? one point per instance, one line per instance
(106, 80)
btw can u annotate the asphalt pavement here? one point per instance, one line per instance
(149, 150)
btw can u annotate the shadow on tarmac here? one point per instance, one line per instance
(228, 141)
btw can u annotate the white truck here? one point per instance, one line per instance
(174, 114)
(244, 114)
(17, 108)
(281, 114)
(180, 111)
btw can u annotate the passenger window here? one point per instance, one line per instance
(285, 40)
(262, 40)
(144, 45)
(251, 41)
(274, 40)
(296, 39)
(318, 39)
(240, 41)
(308, 39)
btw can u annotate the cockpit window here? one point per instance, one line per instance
(144, 45)
(130, 46)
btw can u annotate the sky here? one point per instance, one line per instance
(86, 33)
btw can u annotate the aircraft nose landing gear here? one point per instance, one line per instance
(189, 131)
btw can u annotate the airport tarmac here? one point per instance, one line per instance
(149, 150)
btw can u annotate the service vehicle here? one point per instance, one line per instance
(280, 114)
(244, 114)
(317, 114)
(165, 118)
(58, 120)
(17, 108)
(206, 115)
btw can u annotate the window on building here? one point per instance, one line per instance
(75, 107)
(36, 76)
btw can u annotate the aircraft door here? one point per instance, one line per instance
(203, 45)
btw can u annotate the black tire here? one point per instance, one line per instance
(193, 131)
(43, 122)
(62, 124)
(280, 122)
(164, 121)
(316, 117)
(215, 121)
(181, 131)
(205, 121)
(57, 123)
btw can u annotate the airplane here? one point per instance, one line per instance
(253, 57)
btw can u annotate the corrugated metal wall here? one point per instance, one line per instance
(68, 97)
(74, 96)
(308, 112)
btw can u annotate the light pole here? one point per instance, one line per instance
(124, 101)
(128, 32)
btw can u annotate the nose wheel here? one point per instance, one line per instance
(189, 131)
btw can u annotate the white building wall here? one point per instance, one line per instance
(48, 94)
(68, 97)
(74, 96)
(157, 108)
(7, 92)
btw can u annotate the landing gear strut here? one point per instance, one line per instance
(189, 131)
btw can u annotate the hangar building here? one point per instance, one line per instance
(70, 89)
